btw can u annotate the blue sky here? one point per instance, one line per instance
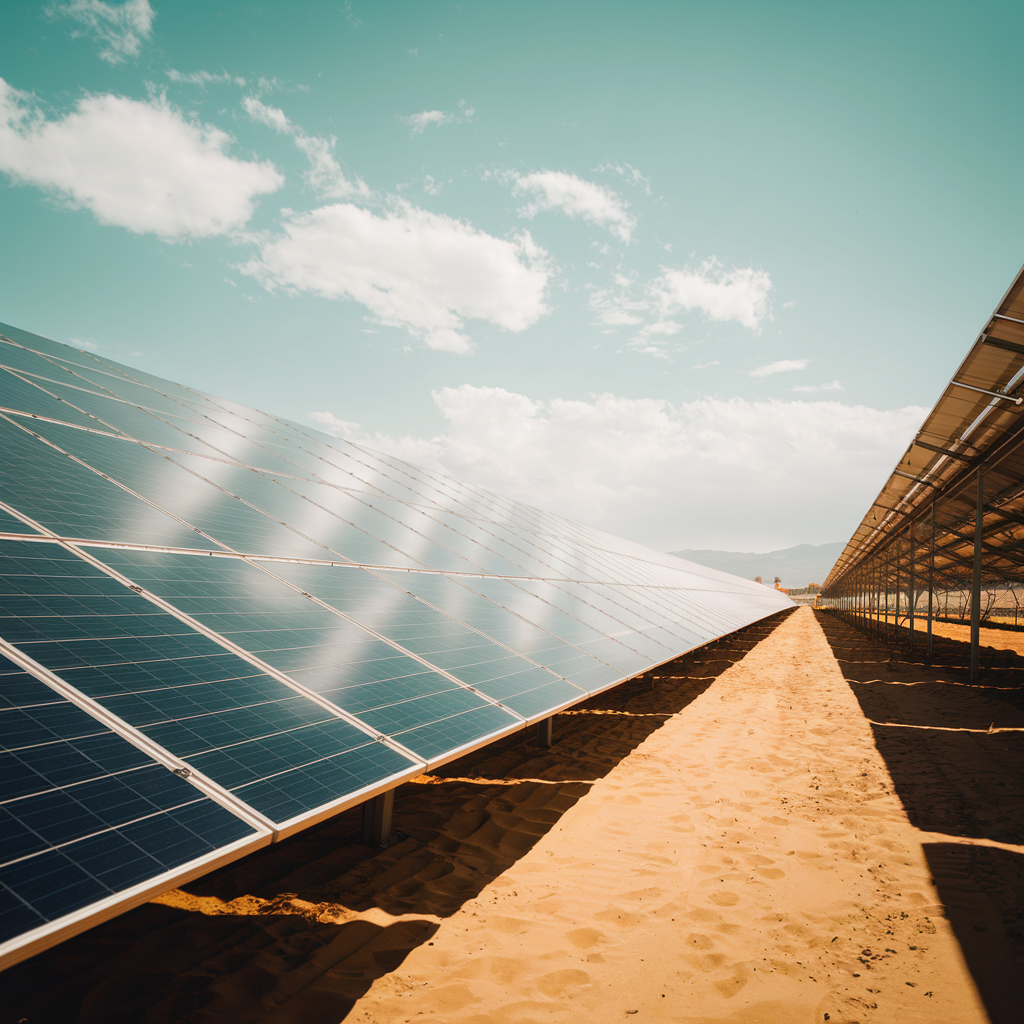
(686, 272)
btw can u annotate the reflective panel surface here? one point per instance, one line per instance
(83, 813)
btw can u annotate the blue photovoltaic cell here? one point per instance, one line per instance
(72, 501)
(9, 524)
(319, 649)
(25, 394)
(480, 613)
(163, 480)
(83, 813)
(22, 359)
(506, 613)
(205, 705)
(470, 655)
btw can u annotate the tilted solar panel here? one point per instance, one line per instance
(252, 625)
(87, 819)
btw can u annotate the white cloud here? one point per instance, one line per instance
(272, 117)
(332, 424)
(630, 173)
(556, 190)
(780, 366)
(653, 338)
(739, 293)
(119, 28)
(136, 164)
(84, 343)
(617, 309)
(719, 473)
(413, 269)
(325, 176)
(832, 385)
(205, 78)
(419, 123)
(736, 293)
(704, 366)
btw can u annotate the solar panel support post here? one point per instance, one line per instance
(885, 584)
(979, 518)
(377, 815)
(911, 581)
(870, 584)
(544, 732)
(878, 596)
(931, 585)
(896, 603)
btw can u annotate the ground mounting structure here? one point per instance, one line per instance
(218, 627)
(951, 515)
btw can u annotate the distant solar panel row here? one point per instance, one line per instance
(219, 627)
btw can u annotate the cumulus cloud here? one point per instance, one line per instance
(557, 190)
(725, 473)
(118, 28)
(413, 269)
(325, 176)
(136, 164)
(332, 424)
(737, 293)
(720, 293)
(780, 366)
(205, 78)
(419, 123)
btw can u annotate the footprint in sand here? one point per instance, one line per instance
(725, 899)
(558, 982)
(584, 938)
(730, 986)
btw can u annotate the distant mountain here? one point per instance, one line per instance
(797, 566)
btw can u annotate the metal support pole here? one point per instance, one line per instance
(885, 584)
(931, 584)
(377, 813)
(544, 732)
(911, 580)
(874, 597)
(896, 610)
(979, 518)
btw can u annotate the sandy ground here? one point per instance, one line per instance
(1004, 639)
(792, 826)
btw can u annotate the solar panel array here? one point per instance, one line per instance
(218, 627)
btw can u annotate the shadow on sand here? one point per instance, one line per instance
(465, 825)
(958, 775)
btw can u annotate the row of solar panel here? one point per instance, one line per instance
(285, 690)
(286, 451)
(81, 484)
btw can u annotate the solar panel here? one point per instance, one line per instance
(86, 817)
(279, 752)
(252, 625)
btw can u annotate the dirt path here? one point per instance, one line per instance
(749, 862)
(738, 844)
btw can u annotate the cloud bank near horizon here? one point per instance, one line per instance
(692, 475)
